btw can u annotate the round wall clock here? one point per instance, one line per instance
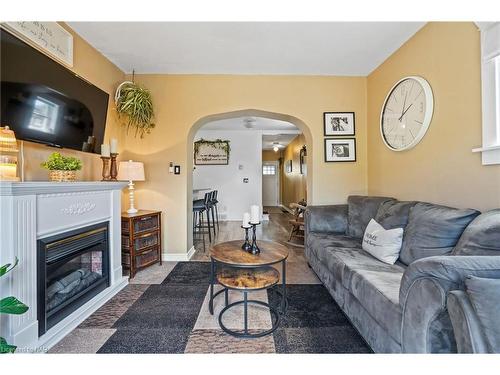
(406, 113)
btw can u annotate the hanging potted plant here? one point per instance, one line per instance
(62, 168)
(134, 104)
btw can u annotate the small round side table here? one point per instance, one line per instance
(246, 272)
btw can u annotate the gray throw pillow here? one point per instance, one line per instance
(394, 214)
(433, 230)
(484, 295)
(361, 210)
(482, 236)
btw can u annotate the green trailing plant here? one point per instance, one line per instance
(58, 162)
(218, 144)
(136, 105)
(10, 305)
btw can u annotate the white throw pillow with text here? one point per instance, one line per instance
(383, 244)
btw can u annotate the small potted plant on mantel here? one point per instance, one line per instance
(62, 168)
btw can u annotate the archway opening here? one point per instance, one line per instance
(245, 114)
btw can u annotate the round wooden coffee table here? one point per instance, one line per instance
(245, 272)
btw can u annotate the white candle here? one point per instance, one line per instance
(254, 214)
(246, 219)
(105, 150)
(114, 146)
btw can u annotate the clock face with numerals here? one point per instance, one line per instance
(406, 113)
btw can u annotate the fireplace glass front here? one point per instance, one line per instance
(72, 268)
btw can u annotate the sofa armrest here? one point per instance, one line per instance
(326, 219)
(466, 325)
(449, 271)
(426, 326)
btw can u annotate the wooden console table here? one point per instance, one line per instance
(141, 240)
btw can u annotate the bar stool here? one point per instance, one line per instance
(214, 203)
(211, 209)
(200, 206)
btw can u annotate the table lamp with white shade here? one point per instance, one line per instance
(131, 171)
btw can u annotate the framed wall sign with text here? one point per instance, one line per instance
(49, 37)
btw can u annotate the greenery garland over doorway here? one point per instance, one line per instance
(218, 144)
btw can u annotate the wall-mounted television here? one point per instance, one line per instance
(44, 102)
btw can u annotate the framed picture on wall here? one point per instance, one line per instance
(211, 152)
(302, 160)
(288, 166)
(338, 123)
(340, 150)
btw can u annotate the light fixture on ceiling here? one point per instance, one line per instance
(276, 146)
(249, 122)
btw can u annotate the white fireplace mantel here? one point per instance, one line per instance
(8, 188)
(30, 211)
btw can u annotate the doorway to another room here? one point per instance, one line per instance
(270, 183)
(242, 161)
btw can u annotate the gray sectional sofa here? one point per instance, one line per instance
(401, 307)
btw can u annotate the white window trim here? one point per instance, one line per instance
(490, 90)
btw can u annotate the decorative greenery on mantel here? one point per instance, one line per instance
(58, 162)
(136, 104)
(218, 144)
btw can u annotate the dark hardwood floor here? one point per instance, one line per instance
(276, 228)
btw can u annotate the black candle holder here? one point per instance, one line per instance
(246, 245)
(254, 249)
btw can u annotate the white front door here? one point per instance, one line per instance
(270, 183)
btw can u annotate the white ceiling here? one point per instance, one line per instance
(282, 139)
(309, 48)
(272, 130)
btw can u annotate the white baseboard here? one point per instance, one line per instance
(179, 257)
(65, 326)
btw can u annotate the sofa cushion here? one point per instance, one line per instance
(482, 236)
(326, 219)
(374, 284)
(361, 210)
(378, 292)
(433, 230)
(322, 240)
(394, 214)
(485, 298)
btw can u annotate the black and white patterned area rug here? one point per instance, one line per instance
(173, 317)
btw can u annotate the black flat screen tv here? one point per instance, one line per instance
(44, 102)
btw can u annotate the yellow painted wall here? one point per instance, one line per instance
(293, 184)
(441, 168)
(270, 155)
(95, 68)
(182, 100)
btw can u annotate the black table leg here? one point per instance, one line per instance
(245, 311)
(283, 278)
(212, 276)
